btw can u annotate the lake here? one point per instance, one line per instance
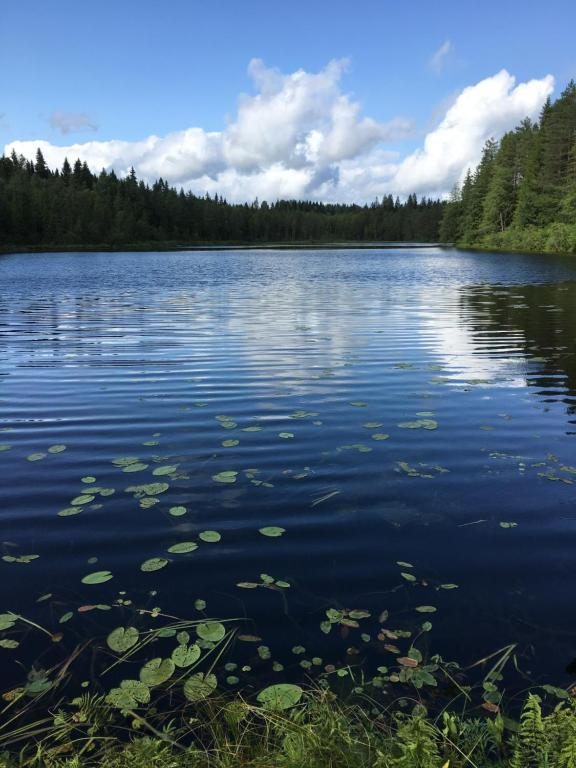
(412, 406)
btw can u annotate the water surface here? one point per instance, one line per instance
(162, 357)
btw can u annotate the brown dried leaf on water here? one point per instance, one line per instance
(490, 707)
(406, 661)
(392, 648)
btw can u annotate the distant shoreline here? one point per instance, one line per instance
(175, 247)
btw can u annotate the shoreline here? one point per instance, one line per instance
(212, 246)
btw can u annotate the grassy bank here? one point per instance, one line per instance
(319, 732)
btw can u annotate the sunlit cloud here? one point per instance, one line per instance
(300, 136)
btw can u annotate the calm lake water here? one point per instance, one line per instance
(379, 405)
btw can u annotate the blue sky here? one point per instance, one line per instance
(73, 72)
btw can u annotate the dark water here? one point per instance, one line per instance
(104, 353)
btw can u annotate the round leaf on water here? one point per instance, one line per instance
(185, 656)
(122, 638)
(230, 443)
(225, 477)
(88, 479)
(137, 690)
(167, 470)
(272, 531)
(281, 696)
(210, 536)
(177, 511)
(56, 448)
(9, 644)
(286, 435)
(183, 547)
(213, 631)
(358, 404)
(153, 564)
(69, 511)
(136, 467)
(157, 671)
(200, 686)
(426, 609)
(86, 498)
(36, 456)
(7, 620)
(380, 436)
(98, 577)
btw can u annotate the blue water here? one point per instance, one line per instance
(103, 353)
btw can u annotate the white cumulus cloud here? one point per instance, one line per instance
(300, 136)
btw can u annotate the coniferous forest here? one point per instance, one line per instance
(522, 195)
(73, 207)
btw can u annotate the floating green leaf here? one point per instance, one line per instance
(358, 404)
(199, 686)
(153, 564)
(136, 467)
(7, 620)
(9, 644)
(272, 531)
(88, 479)
(56, 448)
(98, 577)
(166, 470)
(177, 511)
(230, 443)
(210, 537)
(184, 655)
(419, 424)
(122, 638)
(380, 436)
(183, 547)
(157, 671)
(212, 631)
(36, 456)
(280, 697)
(86, 498)
(129, 695)
(69, 511)
(426, 609)
(228, 476)
(286, 435)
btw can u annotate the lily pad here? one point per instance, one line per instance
(230, 443)
(183, 547)
(137, 467)
(38, 456)
(57, 448)
(177, 511)
(210, 537)
(199, 686)
(153, 564)
(86, 498)
(280, 697)
(157, 671)
(97, 577)
(228, 476)
(186, 655)
(166, 470)
(88, 479)
(129, 695)
(212, 631)
(286, 435)
(272, 531)
(122, 638)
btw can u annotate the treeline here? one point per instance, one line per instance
(522, 195)
(74, 207)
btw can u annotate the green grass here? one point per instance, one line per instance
(320, 732)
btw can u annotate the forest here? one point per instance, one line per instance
(73, 207)
(522, 195)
